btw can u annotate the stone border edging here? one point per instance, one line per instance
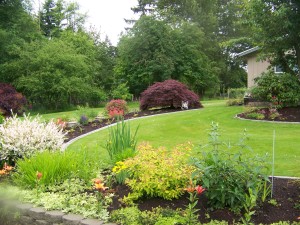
(65, 145)
(28, 215)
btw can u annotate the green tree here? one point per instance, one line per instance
(54, 75)
(155, 51)
(276, 30)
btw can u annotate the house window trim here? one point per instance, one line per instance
(277, 72)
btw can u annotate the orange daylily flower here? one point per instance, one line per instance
(3, 172)
(97, 181)
(99, 186)
(7, 167)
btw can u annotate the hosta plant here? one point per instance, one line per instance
(23, 137)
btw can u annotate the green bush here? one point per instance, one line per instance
(55, 167)
(285, 88)
(2, 118)
(236, 93)
(121, 143)
(228, 174)
(255, 115)
(158, 172)
(236, 101)
(121, 92)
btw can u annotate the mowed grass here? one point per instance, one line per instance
(177, 128)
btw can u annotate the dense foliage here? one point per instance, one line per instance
(276, 30)
(22, 137)
(158, 172)
(169, 93)
(232, 175)
(116, 108)
(283, 89)
(11, 101)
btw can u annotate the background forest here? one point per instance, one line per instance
(56, 62)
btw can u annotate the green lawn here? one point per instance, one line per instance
(172, 129)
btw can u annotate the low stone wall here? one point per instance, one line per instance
(17, 213)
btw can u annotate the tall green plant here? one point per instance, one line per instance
(229, 171)
(121, 142)
(56, 168)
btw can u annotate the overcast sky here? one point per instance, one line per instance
(107, 15)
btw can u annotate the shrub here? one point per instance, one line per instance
(10, 100)
(237, 101)
(121, 92)
(228, 175)
(169, 93)
(121, 142)
(236, 93)
(2, 118)
(55, 167)
(23, 137)
(116, 108)
(255, 115)
(285, 88)
(83, 120)
(158, 172)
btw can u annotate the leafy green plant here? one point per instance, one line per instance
(2, 118)
(121, 143)
(255, 115)
(158, 172)
(250, 203)
(236, 93)
(55, 167)
(120, 172)
(228, 173)
(284, 89)
(83, 120)
(236, 101)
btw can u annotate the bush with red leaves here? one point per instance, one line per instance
(10, 100)
(116, 108)
(169, 93)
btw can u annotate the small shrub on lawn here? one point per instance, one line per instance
(236, 101)
(121, 143)
(10, 100)
(26, 136)
(169, 93)
(158, 172)
(116, 108)
(55, 167)
(229, 174)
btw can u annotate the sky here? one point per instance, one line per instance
(107, 16)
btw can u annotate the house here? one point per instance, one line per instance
(255, 66)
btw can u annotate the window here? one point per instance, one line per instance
(278, 69)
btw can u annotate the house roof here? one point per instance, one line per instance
(247, 52)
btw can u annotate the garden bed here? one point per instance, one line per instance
(284, 205)
(286, 114)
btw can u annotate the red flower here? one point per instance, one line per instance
(38, 175)
(199, 189)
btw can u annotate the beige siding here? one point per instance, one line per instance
(255, 68)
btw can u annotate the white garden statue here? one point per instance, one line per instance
(184, 105)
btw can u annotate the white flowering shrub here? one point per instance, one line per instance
(23, 137)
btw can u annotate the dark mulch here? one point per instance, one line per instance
(286, 192)
(287, 114)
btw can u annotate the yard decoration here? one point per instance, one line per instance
(170, 93)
